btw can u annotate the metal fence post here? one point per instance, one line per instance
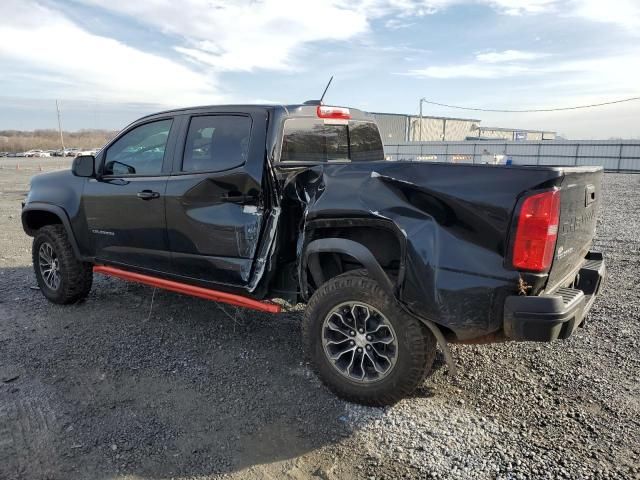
(575, 160)
(619, 157)
(538, 157)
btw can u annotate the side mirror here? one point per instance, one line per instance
(84, 166)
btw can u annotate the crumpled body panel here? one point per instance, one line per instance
(454, 220)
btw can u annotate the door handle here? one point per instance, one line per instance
(241, 199)
(148, 195)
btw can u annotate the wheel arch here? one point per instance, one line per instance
(37, 215)
(374, 244)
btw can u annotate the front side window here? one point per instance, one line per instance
(314, 140)
(139, 151)
(216, 143)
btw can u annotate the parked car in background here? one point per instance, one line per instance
(4, 154)
(71, 152)
(91, 151)
(37, 153)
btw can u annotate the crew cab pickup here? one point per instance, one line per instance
(248, 204)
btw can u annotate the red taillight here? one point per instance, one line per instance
(325, 111)
(537, 231)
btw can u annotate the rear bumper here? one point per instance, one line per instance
(551, 316)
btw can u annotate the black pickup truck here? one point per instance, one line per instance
(245, 204)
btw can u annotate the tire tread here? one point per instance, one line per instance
(77, 275)
(421, 343)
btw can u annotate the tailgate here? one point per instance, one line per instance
(579, 201)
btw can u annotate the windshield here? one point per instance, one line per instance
(318, 140)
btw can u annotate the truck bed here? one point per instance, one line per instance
(456, 223)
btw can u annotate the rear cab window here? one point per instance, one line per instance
(318, 140)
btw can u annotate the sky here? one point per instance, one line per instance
(110, 62)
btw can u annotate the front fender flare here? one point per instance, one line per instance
(58, 212)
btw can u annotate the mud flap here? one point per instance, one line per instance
(442, 342)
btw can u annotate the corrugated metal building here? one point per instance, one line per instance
(440, 128)
(398, 128)
(514, 134)
(392, 126)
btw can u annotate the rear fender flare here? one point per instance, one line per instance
(346, 247)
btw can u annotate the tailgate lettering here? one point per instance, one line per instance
(575, 223)
(563, 253)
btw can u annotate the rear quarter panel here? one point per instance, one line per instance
(454, 218)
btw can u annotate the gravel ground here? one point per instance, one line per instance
(137, 384)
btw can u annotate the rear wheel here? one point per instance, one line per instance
(362, 345)
(61, 277)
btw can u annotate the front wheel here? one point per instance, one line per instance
(362, 345)
(62, 278)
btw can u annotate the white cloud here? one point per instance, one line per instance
(561, 80)
(211, 37)
(625, 13)
(522, 7)
(509, 56)
(397, 24)
(620, 70)
(471, 70)
(74, 62)
(488, 65)
(246, 35)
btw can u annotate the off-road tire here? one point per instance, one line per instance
(416, 343)
(76, 276)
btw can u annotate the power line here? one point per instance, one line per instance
(530, 111)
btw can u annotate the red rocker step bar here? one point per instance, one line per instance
(192, 290)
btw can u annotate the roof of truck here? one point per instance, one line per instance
(298, 109)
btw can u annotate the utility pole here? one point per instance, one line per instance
(60, 126)
(420, 130)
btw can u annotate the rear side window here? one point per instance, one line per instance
(313, 140)
(216, 142)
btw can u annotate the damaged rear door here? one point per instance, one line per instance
(214, 196)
